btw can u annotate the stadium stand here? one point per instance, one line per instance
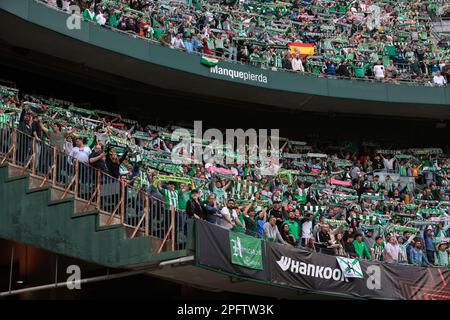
(375, 203)
(382, 40)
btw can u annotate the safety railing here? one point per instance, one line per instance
(95, 189)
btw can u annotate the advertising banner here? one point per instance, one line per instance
(285, 266)
(368, 279)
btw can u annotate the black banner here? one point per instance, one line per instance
(320, 272)
(305, 270)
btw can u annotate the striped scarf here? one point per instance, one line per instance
(404, 229)
(314, 209)
(366, 218)
(372, 196)
(243, 189)
(336, 222)
(431, 211)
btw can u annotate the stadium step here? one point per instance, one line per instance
(33, 216)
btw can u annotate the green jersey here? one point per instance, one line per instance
(361, 249)
(250, 225)
(219, 43)
(378, 250)
(157, 32)
(210, 43)
(402, 170)
(241, 218)
(183, 198)
(4, 118)
(170, 197)
(293, 228)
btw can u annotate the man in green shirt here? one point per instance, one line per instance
(89, 13)
(442, 255)
(240, 227)
(360, 247)
(170, 194)
(293, 225)
(183, 195)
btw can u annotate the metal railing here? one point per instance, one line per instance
(95, 189)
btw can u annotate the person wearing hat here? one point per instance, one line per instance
(194, 208)
(442, 254)
(429, 244)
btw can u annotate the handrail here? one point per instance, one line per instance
(135, 208)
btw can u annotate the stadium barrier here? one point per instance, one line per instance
(403, 69)
(251, 259)
(144, 214)
(392, 92)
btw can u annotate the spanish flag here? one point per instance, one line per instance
(304, 49)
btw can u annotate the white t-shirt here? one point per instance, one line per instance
(232, 215)
(440, 80)
(68, 146)
(65, 5)
(393, 251)
(389, 164)
(81, 154)
(177, 42)
(306, 229)
(101, 20)
(378, 70)
(297, 65)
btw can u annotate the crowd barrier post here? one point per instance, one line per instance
(147, 214)
(55, 161)
(33, 157)
(172, 225)
(122, 201)
(99, 180)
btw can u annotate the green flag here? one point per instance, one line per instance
(245, 251)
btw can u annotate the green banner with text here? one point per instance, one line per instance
(245, 251)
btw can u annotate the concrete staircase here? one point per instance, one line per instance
(32, 215)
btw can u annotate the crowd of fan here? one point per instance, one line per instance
(365, 202)
(350, 40)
